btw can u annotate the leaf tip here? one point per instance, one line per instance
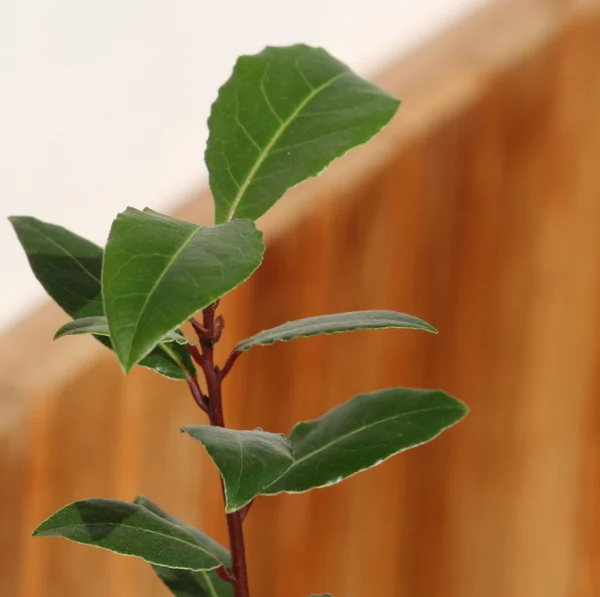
(125, 362)
(464, 407)
(15, 222)
(38, 529)
(18, 219)
(127, 367)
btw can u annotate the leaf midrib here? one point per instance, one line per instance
(156, 283)
(141, 530)
(280, 130)
(363, 428)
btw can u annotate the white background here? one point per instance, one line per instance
(104, 104)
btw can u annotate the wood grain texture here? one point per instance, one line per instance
(480, 214)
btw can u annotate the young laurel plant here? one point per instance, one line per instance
(283, 116)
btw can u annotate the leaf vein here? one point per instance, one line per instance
(303, 143)
(280, 130)
(236, 117)
(264, 92)
(141, 530)
(228, 168)
(308, 83)
(363, 428)
(159, 280)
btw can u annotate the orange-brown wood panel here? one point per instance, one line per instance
(486, 224)
(14, 452)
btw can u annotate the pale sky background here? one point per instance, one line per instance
(104, 105)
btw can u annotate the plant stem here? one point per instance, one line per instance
(231, 359)
(238, 554)
(196, 392)
(208, 335)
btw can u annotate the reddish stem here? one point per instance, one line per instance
(231, 359)
(208, 335)
(199, 397)
(238, 555)
(199, 329)
(193, 350)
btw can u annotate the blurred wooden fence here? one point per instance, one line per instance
(478, 210)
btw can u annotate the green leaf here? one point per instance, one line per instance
(162, 362)
(321, 595)
(69, 268)
(362, 433)
(283, 116)
(334, 324)
(220, 552)
(187, 583)
(158, 271)
(248, 461)
(190, 583)
(130, 529)
(98, 326)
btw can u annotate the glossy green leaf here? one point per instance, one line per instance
(283, 116)
(69, 268)
(189, 583)
(98, 326)
(66, 265)
(158, 271)
(321, 595)
(335, 324)
(192, 583)
(362, 433)
(130, 529)
(248, 461)
(162, 362)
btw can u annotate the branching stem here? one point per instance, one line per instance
(208, 334)
(231, 359)
(199, 398)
